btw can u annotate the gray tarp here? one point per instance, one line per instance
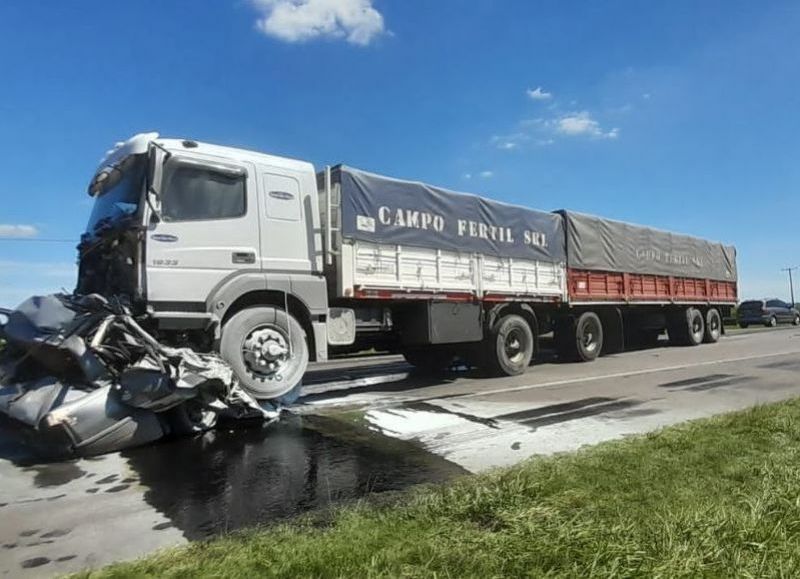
(385, 210)
(599, 244)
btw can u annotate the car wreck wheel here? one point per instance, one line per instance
(191, 417)
(267, 349)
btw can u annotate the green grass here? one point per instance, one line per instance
(718, 497)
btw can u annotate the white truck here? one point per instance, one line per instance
(275, 265)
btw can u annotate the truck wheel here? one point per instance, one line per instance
(588, 337)
(579, 340)
(713, 327)
(428, 358)
(267, 349)
(509, 347)
(772, 322)
(687, 328)
(796, 321)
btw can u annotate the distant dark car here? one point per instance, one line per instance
(769, 313)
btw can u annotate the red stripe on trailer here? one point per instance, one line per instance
(386, 294)
(383, 294)
(521, 298)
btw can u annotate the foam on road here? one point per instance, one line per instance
(495, 425)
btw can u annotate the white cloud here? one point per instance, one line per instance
(7, 230)
(582, 124)
(356, 21)
(538, 94)
(509, 142)
(467, 176)
(487, 174)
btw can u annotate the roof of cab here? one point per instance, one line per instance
(140, 142)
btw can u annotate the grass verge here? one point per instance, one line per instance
(717, 497)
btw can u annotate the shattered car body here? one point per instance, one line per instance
(88, 379)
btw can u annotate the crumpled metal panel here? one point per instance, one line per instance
(83, 373)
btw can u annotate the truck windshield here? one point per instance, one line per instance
(118, 192)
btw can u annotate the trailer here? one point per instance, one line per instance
(627, 284)
(276, 265)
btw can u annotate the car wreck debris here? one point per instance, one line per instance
(87, 379)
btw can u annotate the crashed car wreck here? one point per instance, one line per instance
(85, 378)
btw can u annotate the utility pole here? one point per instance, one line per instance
(791, 281)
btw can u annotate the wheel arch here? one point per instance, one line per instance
(305, 295)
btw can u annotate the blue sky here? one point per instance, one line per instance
(682, 115)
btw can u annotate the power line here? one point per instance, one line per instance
(39, 239)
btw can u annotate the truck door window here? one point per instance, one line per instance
(193, 192)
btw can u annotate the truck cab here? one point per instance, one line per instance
(198, 237)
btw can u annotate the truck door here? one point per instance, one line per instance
(208, 229)
(285, 243)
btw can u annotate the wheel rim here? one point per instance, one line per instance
(697, 325)
(714, 325)
(266, 353)
(514, 345)
(200, 417)
(773, 322)
(590, 336)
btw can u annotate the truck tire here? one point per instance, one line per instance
(771, 322)
(796, 321)
(580, 340)
(429, 359)
(588, 336)
(713, 326)
(267, 349)
(509, 346)
(687, 327)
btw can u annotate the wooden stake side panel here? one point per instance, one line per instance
(630, 287)
(383, 271)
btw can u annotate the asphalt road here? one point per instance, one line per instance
(63, 517)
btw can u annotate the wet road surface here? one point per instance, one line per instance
(65, 516)
(366, 426)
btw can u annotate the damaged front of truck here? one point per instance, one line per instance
(81, 373)
(112, 247)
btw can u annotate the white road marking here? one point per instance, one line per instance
(623, 374)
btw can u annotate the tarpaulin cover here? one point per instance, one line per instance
(391, 211)
(594, 243)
